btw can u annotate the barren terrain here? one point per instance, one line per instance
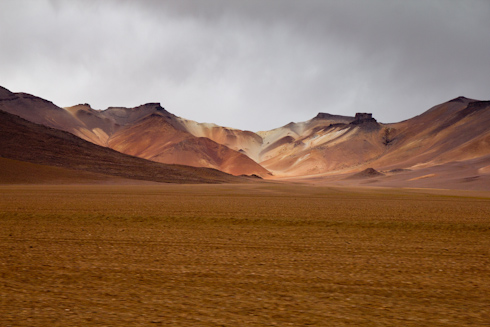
(242, 255)
(447, 146)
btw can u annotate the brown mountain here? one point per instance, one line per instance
(32, 152)
(323, 144)
(151, 132)
(456, 130)
(452, 134)
(37, 110)
(162, 137)
(117, 127)
(447, 146)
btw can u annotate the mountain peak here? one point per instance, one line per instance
(5, 94)
(460, 99)
(156, 105)
(362, 117)
(323, 115)
(82, 105)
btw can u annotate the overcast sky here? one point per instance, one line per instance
(249, 64)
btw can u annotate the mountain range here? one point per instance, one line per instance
(446, 146)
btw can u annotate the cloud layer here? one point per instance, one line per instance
(249, 64)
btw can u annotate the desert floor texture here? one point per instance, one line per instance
(242, 255)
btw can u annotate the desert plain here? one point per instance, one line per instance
(258, 254)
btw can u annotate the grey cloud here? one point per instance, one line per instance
(249, 64)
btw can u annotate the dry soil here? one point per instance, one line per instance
(248, 255)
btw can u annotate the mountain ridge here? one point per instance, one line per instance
(324, 145)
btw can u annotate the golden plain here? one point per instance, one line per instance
(242, 255)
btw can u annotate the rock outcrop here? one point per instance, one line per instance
(362, 117)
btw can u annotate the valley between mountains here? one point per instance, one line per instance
(448, 146)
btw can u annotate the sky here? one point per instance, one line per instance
(249, 64)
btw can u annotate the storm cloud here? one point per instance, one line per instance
(250, 64)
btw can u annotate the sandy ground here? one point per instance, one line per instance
(242, 255)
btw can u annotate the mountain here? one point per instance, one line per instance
(33, 152)
(163, 137)
(116, 128)
(151, 132)
(323, 144)
(452, 134)
(37, 110)
(447, 146)
(456, 130)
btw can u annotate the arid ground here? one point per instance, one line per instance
(242, 255)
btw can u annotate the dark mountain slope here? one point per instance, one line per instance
(25, 141)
